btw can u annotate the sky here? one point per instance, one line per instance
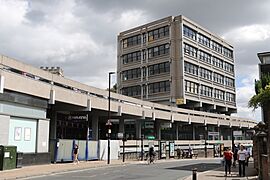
(80, 36)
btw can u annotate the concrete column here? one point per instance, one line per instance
(193, 131)
(176, 125)
(158, 130)
(138, 129)
(95, 127)
(121, 125)
(53, 125)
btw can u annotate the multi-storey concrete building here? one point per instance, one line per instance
(175, 61)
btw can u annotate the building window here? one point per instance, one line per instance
(228, 53)
(206, 91)
(206, 74)
(158, 50)
(191, 87)
(190, 50)
(230, 97)
(228, 67)
(188, 32)
(204, 40)
(218, 94)
(216, 47)
(203, 56)
(229, 82)
(157, 87)
(217, 62)
(190, 68)
(159, 68)
(131, 91)
(218, 78)
(132, 41)
(131, 74)
(158, 33)
(131, 57)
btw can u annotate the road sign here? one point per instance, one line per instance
(237, 133)
(213, 133)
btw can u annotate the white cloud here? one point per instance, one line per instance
(243, 94)
(250, 33)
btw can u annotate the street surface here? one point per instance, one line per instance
(167, 170)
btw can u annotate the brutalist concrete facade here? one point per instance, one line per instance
(177, 62)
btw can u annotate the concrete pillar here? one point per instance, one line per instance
(193, 131)
(95, 127)
(138, 129)
(121, 125)
(53, 125)
(158, 130)
(176, 125)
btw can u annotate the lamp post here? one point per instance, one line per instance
(205, 140)
(109, 117)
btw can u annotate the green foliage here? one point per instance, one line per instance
(262, 89)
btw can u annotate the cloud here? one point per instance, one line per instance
(81, 36)
(249, 34)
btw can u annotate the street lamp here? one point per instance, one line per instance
(205, 140)
(109, 124)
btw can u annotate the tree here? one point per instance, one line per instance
(262, 99)
(113, 89)
(262, 96)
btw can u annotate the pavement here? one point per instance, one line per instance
(96, 169)
(219, 174)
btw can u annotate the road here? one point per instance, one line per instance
(166, 170)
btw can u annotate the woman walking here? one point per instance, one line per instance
(228, 155)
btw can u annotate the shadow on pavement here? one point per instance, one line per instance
(200, 167)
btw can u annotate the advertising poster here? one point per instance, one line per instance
(162, 149)
(27, 134)
(17, 133)
(171, 147)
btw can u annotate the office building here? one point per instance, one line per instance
(177, 62)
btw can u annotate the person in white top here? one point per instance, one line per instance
(242, 157)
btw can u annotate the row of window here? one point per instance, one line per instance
(163, 86)
(132, 91)
(152, 70)
(152, 52)
(205, 57)
(152, 35)
(131, 74)
(131, 57)
(158, 50)
(192, 34)
(203, 90)
(132, 41)
(159, 68)
(158, 33)
(157, 87)
(207, 74)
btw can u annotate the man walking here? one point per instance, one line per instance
(241, 156)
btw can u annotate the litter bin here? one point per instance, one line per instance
(19, 159)
(8, 157)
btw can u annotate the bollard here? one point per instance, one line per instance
(194, 174)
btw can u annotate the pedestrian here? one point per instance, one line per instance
(242, 157)
(228, 156)
(247, 156)
(75, 154)
(235, 151)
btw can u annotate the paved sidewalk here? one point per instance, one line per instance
(38, 170)
(219, 174)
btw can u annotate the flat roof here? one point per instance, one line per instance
(263, 54)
